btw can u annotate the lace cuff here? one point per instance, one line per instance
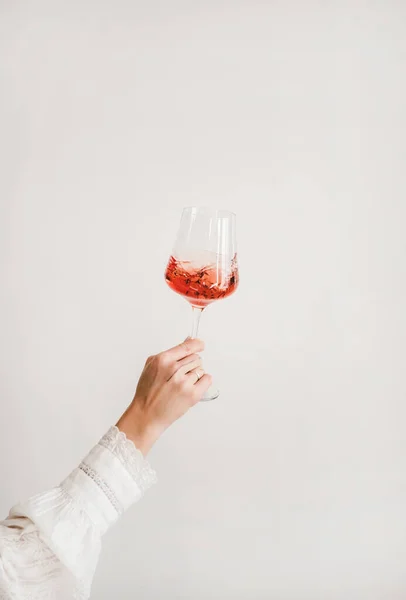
(111, 478)
(130, 457)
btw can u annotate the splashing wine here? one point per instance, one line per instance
(201, 285)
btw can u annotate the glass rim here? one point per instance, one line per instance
(221, 212)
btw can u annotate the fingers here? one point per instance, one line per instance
(178, 361)
(202, 386)
(189, 346)
(186, 366)
(189, 367)
(195, 374)
(187, 360)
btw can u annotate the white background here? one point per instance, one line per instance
(116, 114)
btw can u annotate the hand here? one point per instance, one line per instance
(171, 383)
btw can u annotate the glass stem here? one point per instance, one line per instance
(196, 314)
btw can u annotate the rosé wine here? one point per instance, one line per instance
(201, 285)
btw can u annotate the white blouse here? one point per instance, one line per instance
(49, 545)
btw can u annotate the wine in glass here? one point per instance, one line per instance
(203, 265)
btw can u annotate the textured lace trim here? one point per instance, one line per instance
(105, 488)
(131, 458)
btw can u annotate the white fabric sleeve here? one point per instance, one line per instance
(50, 544)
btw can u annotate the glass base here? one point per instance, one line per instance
(211, 394)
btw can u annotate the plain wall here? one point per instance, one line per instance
(113, 116)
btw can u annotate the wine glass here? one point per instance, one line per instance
(203, 265)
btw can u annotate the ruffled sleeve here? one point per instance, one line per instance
(50, 544)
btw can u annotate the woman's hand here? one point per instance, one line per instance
(171, 383)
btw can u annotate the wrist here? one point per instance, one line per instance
(139, 429)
